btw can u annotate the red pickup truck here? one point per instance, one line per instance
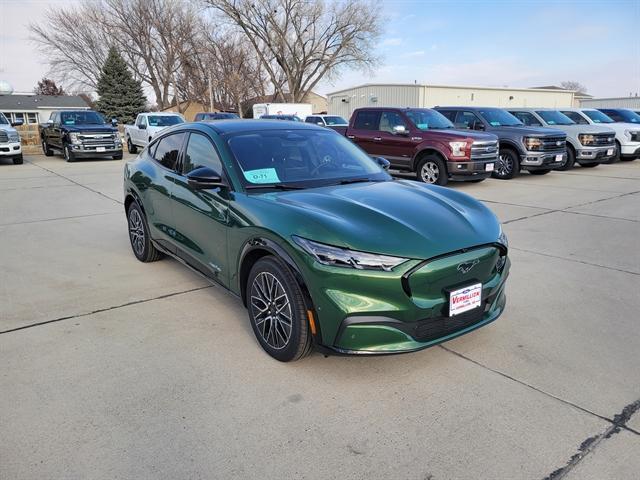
(424, 141)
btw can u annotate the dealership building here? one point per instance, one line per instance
(614, 102)
(344, 102)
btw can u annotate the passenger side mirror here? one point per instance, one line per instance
(114, 122)
(400, 130)
(204, 178)
(383, 162)
(142, 127)
(17, 123)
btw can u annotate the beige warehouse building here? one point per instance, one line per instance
(343, 102)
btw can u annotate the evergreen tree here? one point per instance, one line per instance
(121, 95)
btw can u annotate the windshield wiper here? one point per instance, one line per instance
(356, 180)
(278, 186)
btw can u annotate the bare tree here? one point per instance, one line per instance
(46, 86)
(303, 42)
(573, 85)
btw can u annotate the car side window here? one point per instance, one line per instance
(367, 120)
(527, 118)
(142, 121)
(168, 150)
(388, 120)
(615, 115)
(576, 117)
(201, 153)
(450, 114)
(310, 120)
(465, 120)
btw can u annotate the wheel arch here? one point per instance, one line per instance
(510, 144)
(428, 151)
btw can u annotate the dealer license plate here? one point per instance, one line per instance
(100, 149)
(559, 158)
(465, 299)
(609, 152)
(489, 167)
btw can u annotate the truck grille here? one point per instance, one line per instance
(484, 150)
(553, 143)
(4, 137)
(604, 138)
(97, 140)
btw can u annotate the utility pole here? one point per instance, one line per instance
(210, 93)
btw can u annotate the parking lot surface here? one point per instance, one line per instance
(116, 369)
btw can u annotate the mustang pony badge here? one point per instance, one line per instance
(467, 266)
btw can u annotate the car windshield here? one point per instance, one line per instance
(629, 116)
(218, 116)
(496, 117)
(335, 121)
(301, 159)
(425, 119)
(597, 116)
(3, 119)
(82, 118)
(553, 117)
(164, 120)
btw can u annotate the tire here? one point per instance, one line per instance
(508, 165)
(69, 156)
(272, 291)
(616, 158)
(18, 160)
(589, 165)
(45, 149)
(544, 171)
(570, 161)
(118, 156)
(139, 236)
(131, 148)
(432, 170)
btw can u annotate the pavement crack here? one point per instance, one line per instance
(583, 262)
(59, 218)
(106, 309)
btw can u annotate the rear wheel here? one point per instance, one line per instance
(131, 148)
(544, 171)
(18, 160)
(508, 165)
(277, 310)
(69, 156)
(45, 149)
(139, 236)
(570, 161)
(431, 169)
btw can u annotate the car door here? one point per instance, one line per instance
(202, 214)
(395, 147)
(140, 133)
(54, 133)
(156, 186)
(365, 131)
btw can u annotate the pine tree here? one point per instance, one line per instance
(121, 95)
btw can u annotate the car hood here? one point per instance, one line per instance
(402, 218)
(532, 131)
(577, 129)
(89, 128)
(464, 133)
(7, 128)
(622, 127)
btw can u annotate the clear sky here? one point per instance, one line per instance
(496, 43)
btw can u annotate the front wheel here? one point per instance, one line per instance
(131, 148)
(544, 171)
(431, 169)
(45, 149)
(569, 162)
(117, 156)
(277, 311)
(139, 236)
(18, 160)
(508, 165)
(69, 156)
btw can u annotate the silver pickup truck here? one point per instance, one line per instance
(588, 145)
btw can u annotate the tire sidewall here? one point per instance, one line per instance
(147, 239)
(300, 330)
(68, 154)
(442, 170)
(515, 164)
(570, 162)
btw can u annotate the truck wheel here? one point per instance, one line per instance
(508, 165)
(131, 148)
(18, 160)
(45, 148)
(69, 156)
(570, 161)
(431, 169)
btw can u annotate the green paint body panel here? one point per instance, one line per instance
(213, 229)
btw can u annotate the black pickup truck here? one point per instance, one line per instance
(80, 134)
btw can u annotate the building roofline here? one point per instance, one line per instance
(615, 98)
(478, 87)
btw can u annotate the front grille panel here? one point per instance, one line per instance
(550, 144)
(435, 328)
(4, 137)
(484, 150)
(92, 140)
(604, 139)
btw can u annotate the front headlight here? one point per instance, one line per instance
(458, 149)
(73, 136)
(502, 238)
(342, 257)
(633, 135)
(532, 143)
(586, 139)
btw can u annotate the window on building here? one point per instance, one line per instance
(18, 117)
(9, 116)
(32, 117)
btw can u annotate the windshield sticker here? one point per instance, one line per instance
(495, 124)
(423, 126)
(262, 175)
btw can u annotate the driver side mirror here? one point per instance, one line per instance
(204, 178)
(383, 162)
(400, 130)
(142, 127)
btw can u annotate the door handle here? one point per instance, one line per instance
(350, 137)
(377, 139)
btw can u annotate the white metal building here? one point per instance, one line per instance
(343, 102)
(614, 102)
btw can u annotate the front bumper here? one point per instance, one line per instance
(375, 312)
(595, 154)
(630, 150)
(543, 160)
(11, 149)
(473, 170)
(81, 150)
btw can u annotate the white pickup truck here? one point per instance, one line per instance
(146, 126)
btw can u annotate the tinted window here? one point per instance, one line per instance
(496, 117)
(311, 119)
(623, 115)
(426, 119)
(577, 118)
(450, 114)
(388, 120)
(168, 149)
(465, 119)
(201, 153)
(597, 116)
(82, 118)
(367, 120)
(527, 118)
(554, 117)
(335, 121)
(164, 120)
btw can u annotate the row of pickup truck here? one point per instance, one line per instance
(439, 145)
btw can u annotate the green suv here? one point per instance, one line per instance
(324, 248)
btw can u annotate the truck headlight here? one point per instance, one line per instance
(586, 139)
(532, 143)
(458, 149)
(73, 136)
(342, 257)
(633, 135)
(502, 238)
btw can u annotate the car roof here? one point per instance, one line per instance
(162, 114)
(466, 107)
(251, 125)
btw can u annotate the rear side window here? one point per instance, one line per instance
(615, 115)
(201, 153)
(527, 118)
(168, 149)
(310, 120)
(367, 120)
(466, 120)
(576, 117)
(450, 114)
